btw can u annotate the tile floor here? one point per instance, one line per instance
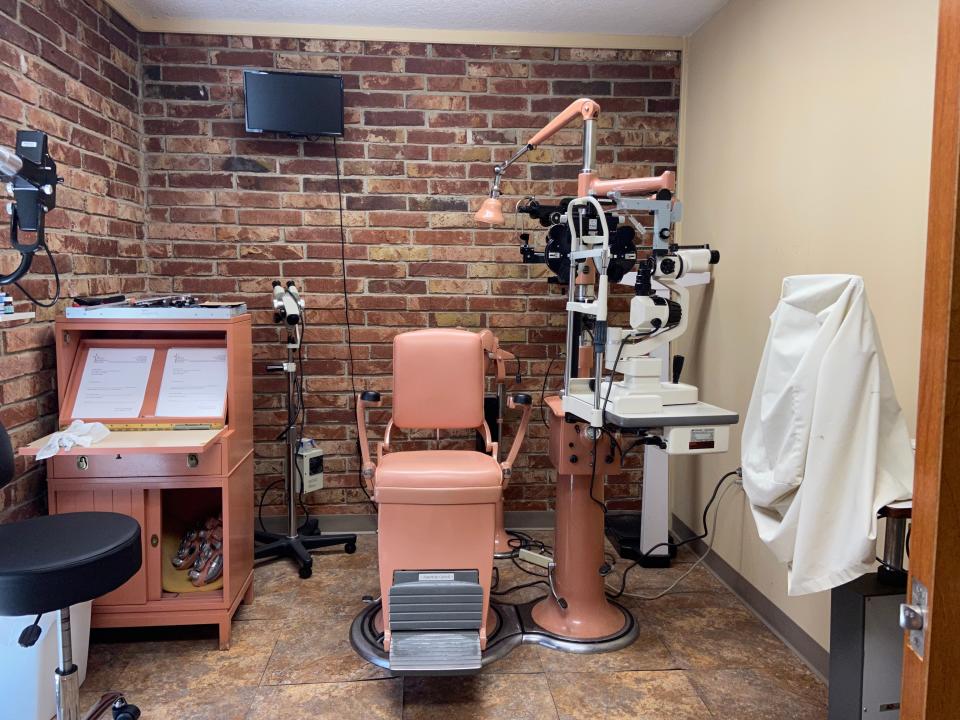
(701, 655)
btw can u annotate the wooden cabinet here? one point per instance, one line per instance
(167, 479)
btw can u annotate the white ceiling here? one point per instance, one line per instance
(622, 17)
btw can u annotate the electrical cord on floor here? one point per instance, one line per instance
(522, 541)
(694, 566)
(263, 496)
(667, 544)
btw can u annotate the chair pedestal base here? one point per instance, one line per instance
(578, 553)
(298, 547)
(514, 626)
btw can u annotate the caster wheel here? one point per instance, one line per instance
(306, 571)
(126, 712)
(350, 548)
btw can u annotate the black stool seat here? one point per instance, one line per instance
(55, 561)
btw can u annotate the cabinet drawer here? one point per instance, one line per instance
(139, 465)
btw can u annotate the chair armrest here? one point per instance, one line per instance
(367, 466)
(525, 402)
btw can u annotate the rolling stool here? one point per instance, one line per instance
(52, 562)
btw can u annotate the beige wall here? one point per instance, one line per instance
(805, 149)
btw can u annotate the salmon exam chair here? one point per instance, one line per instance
(437, 508)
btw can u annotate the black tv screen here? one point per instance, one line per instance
(293, 103)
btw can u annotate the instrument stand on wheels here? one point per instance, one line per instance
(297, 542)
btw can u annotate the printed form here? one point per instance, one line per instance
(194, 383)
(113, 383)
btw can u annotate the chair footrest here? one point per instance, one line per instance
(435, 652)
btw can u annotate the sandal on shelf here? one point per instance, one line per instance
(211, 546)
(209, 526)
(187, 552)
(212, 569)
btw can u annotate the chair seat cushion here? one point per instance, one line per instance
(52, 562)
(438, 476)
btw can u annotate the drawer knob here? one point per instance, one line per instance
(154, 541)
(82, 462)
(193, 460)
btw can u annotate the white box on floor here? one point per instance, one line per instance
(26, 674)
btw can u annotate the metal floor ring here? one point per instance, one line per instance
(515, 626)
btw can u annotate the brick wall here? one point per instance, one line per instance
(229, 211)
(70, 68)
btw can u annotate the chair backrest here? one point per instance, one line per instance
(438, 379)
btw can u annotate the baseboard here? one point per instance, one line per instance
(809, 650)
(521, 519)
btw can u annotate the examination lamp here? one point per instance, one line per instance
(588, 182)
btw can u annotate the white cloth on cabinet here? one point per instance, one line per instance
(825, 444)
(79, 433)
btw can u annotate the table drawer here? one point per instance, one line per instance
(139, 465)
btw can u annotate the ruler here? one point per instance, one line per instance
(163, 426)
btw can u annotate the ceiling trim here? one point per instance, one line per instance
(193, 26)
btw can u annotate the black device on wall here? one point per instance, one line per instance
(293, 103)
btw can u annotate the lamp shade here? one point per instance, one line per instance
(490, 213)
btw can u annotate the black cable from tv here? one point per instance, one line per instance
(346, 312)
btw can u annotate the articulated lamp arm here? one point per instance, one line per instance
(491, 211)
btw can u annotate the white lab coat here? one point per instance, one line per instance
(825, 445)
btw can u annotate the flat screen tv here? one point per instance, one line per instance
(293, 103)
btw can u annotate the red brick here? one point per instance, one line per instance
(457, 84)
(176, 55)
(644, 89)
(373, 99)
(393, 117)
(365, 63)
(498, 69)
(511, 86)
(434, 66)
(498, 102)
(391, 82)
(463, 120)
(402, 49)
(243, 58)
(559, 70)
